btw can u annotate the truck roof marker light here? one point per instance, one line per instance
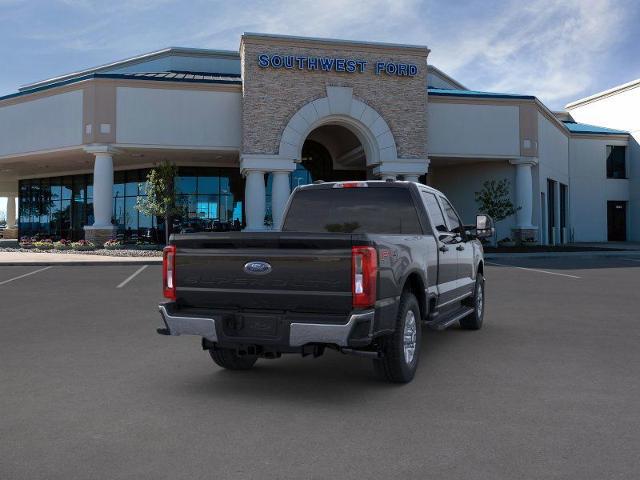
(351, 185)
(169, 272)
(364, 267)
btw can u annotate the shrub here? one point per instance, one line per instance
(62, 245)
(83, 245)
(43, 244)
(113, 244)
(147, 246)
(26, 242)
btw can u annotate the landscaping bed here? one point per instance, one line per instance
(127, 252)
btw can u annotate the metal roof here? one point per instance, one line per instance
(134, 60)
(585, 128)
(444, 92)
(187, 77)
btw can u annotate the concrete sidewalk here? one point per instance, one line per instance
(37, 259)
(593, 253)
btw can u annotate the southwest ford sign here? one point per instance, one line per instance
(333, 64)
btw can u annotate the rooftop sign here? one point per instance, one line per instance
(335, 64)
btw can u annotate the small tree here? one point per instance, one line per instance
(160, 199)
(495, 200)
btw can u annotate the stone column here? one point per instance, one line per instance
(254, 166)
(11, 232)
(11, 212)
(524, 229)
(408, 168)
(254, 198)
(280, 191)
(102, 228)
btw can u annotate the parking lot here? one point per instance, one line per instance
(549, 388)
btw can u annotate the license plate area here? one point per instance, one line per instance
(252, 325)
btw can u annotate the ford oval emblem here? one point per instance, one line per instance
(257, 268)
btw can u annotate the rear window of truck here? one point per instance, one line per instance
(353, 210)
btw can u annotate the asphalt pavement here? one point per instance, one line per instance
(549, 387)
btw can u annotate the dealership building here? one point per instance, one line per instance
(246, 127)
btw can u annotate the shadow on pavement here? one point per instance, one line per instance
(333, 378)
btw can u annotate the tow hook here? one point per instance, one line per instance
(360, 353)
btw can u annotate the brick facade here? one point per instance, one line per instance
(272, 96)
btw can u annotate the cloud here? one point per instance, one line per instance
(557, 50)
(547, 48)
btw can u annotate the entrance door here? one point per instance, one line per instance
(617, 221)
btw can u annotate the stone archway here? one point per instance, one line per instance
(339, 107)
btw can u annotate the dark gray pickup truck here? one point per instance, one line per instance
(358, 267)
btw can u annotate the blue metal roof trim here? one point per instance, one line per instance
(444, 92)
(585, 128)
(226, 80)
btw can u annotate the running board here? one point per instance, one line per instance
(447, 322)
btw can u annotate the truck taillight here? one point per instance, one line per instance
(364, 267)
(169, 272)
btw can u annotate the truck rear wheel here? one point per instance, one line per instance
(401, 350)
(229, 359)
(473, 321)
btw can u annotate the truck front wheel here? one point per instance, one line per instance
(401, 350)
(229, 359)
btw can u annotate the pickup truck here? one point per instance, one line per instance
(359, 267)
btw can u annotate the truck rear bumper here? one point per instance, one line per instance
(179, 325)
(300, 333)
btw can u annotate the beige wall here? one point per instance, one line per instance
(473, 129)
(46, 123)
(177, 117)
(272, 96)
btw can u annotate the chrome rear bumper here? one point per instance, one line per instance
(177, 325)
(300, 333)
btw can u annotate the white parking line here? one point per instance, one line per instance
(25, 275)
(533, 270)
(131, 277)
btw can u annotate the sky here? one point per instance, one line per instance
(557, 50)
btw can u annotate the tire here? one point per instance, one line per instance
(229, 359)
(474, 320)
(398, 365)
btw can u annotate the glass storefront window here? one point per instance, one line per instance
(60, 207)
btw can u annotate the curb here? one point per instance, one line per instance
(617, 253)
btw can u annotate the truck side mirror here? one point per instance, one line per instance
(484, 226)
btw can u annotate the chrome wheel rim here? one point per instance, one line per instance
(479, 301)
(410, 334)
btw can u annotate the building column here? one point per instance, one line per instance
(11, 212)
(524, 229)
(102, 228)
(280, 191)
(410, 169)
(255, 200)
(254, 166)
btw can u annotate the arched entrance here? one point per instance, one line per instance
(330, 153)
(337, 137)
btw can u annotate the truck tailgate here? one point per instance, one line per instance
(309, 272)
